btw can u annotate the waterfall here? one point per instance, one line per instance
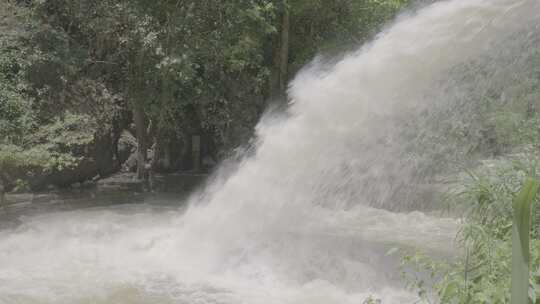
(307, 216)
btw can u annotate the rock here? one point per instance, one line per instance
(121, 181)
(127, 146)
(130, 165)
(43, 198)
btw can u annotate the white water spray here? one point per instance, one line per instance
(292, 223)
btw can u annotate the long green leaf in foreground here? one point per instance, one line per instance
(520, 242)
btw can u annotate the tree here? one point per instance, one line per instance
(280, 52)
(172, 69)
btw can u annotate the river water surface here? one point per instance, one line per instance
(139, 254)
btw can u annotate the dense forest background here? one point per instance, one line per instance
(88, 87)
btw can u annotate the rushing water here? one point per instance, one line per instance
(297, 221)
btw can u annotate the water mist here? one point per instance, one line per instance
(307, 217)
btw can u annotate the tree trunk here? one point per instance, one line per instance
(280, 57)
(284, 52)
(2, 194)
(531, 107)
(140, 130)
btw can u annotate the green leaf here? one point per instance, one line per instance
(520, 242)
(392, 251)
(449, 291)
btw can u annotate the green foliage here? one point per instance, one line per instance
(13, 158)
(71, 70)
(372, 300)
(520, 242)
(334, 26)
(16, 117)
(480, 111)
(55, 146)
(516, 129)
(67, 133)
(483, 270)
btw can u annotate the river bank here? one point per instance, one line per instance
(118, 189)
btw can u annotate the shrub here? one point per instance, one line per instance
(482, 271)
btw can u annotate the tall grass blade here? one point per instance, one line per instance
(520, 242)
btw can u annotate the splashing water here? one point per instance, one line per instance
(299, 221)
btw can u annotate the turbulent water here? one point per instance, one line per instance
(299, 220)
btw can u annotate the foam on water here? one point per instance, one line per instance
(118, 254)
(292, 223)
